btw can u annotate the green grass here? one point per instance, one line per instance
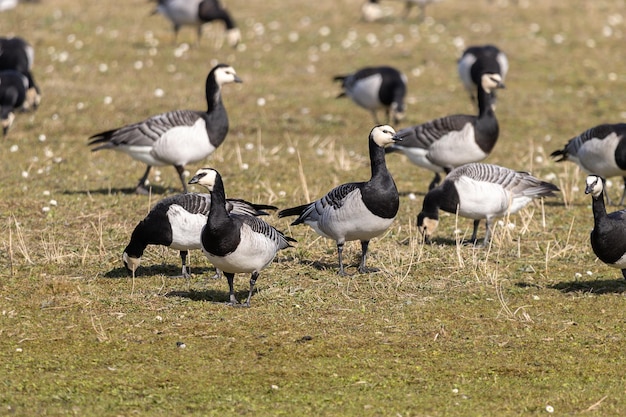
(533, 322)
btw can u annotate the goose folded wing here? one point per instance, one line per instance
(424, 135)
(259, 226)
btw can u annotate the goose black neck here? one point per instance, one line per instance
(485, 102)
(598, 207)
(213, 93)
(218, 201)
(378, 164)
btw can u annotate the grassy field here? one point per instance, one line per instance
(532, 325)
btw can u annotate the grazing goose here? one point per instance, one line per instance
(17, 54)
(375, 88)
(236, 243)
(600, 150)
(480, 191)
(177, 222)
(177, 137)
(608, 237)
(356, 210)
(13, 87)
(479, 60)
(197, 13)
(448, 142)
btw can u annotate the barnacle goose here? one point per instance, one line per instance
(480, 191)
(375, 88)
(600, 150)
(197, 13)
(443, 144)
(608, 237)
(356, 210)
(13, 87)
(236, 243)
(372, 11)
(177, 222)
(478, 60)
(17, 54)
(177, 137)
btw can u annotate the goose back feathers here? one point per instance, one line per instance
(356, 210)
(600, 150)
(481, 191)
(178, 137)
(608, 237)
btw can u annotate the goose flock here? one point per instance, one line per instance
(231, 233)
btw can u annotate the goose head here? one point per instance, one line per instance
(594, 186)
(427, 224)
(206, 177)
(491, 81)
(384, 135)
(225, 74)
(131, 263)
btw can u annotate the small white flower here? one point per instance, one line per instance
(589, 273)
(159, 92)
(108, 100)
(260, 102)
(159, 318)
(578, 275)
(24, 174)
(14, 148)
(549, 409)
(245, 166)
(19, 350)
(46, 193)
(412, 196)
(324, 31)
(138, 65)
(291, 150)
(103, 67)
(249, 146)
(45, 209)
(42, 138)
(53, 202)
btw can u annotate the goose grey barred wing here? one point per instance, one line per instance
(146, 132)
(259, 226)
(336, 197)
(424, 135)
(239, 206)
(517, 182)
(194, 203)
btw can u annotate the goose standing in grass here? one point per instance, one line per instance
(480, 191)
(356, 210)
(177, 222)
(608, 237)
(443, 144)
(479, 60)
(17, 54)
(236, 243)
(600, 150)
(177, 137)
(13, 87)
(376, 88)
(197, 13)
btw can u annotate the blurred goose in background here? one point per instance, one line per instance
(177, 222)
(480, 191)
(479, 60)
(608, 237)
(197, 13)
(177, 137)
(372, 10)
(236, 243)
(443, 144)
(17, 54)
(376, 88)
(600, 150)
(356, 210)
(13, 88)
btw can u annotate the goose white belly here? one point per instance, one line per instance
(479, 200)
(182, 145)
(365, 91)
(456, 148)
(353, 221)
(182, 12)
(597, 156)
(255, 252)
(186, 228)
(419, 157)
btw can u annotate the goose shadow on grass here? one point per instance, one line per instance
(605, 286)
(154, 190)
(210, 295)
(170, 271)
